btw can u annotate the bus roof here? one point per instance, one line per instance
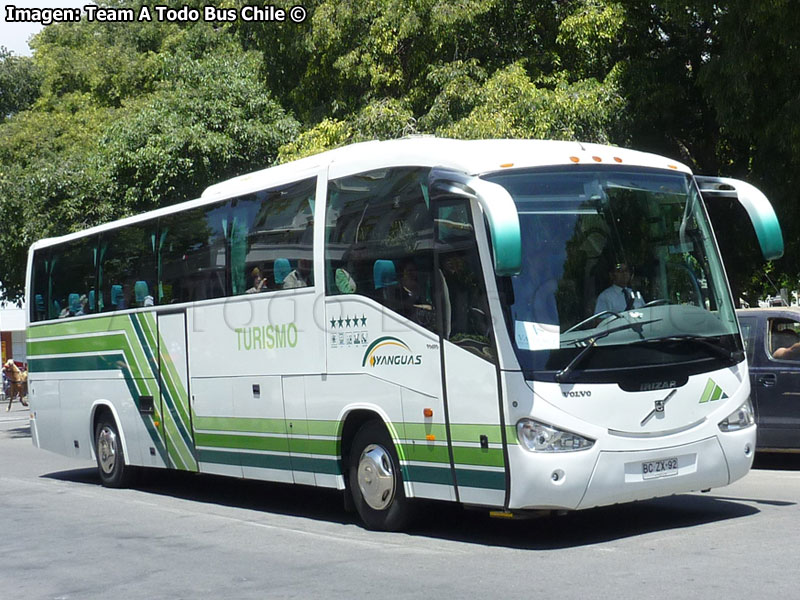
(469, 156)
(474, 157)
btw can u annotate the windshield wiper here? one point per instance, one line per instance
(728, 355)
(561, 376)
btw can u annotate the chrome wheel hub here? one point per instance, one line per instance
(375, 477)
(107, 449)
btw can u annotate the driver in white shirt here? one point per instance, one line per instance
(619, 296)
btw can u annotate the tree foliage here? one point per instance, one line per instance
(108, 119)
(19, 83)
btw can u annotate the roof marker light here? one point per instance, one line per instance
(597, 159)
(672, 166)
(574, 159)
(506, 165)
(618, 159)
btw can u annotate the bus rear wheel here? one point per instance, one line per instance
(375, 480)
(114, 473)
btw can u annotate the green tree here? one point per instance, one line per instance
(110, 139)
(19, 83)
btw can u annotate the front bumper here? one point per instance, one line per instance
(608, 476)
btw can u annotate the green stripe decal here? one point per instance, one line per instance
(270, 461)
(493, 480)
(105, 362)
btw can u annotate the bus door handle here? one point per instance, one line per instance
(767, 379)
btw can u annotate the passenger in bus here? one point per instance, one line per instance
(298, 277)
(259, 282)
(84, 305)
(287, 278)
(619, 296)
(414, 304)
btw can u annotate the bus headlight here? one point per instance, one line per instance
(740, 418)
(538, 437)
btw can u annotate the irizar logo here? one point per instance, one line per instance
(712, 393)
(390, 351)
(657, 385)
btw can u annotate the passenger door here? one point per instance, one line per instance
(469, 356)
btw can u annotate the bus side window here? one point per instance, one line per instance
(379, 241)
(193, 252)
(70, 276)
(272, 238)
(127, 269)
(39, 280)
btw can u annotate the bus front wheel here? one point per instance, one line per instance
(111, 465)
(375, 480)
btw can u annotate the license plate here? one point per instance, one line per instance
(665, 467)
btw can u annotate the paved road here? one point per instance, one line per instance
(65, 537)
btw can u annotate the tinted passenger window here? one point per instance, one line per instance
(127, 273)
(379, 241)
(71, 274)
(194, 254)
(272, 239)
(40, 307)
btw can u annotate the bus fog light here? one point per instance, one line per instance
(739, 419)
(539, 437)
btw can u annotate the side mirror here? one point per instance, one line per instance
(762, 215)
(497, 205)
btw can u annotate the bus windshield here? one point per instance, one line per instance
(619, 272)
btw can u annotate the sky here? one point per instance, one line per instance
(15, 36)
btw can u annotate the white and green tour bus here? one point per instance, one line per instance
(408, 319)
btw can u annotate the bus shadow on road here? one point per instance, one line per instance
(591, 526)
(448, 521)
(285, 499)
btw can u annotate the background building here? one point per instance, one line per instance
(12, 333)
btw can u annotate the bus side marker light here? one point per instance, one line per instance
(430, 437)
(157, 423)
(428, 412)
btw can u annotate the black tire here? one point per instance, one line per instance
(113, 471)
(377, 490)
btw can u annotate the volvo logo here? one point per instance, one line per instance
(658, 409)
